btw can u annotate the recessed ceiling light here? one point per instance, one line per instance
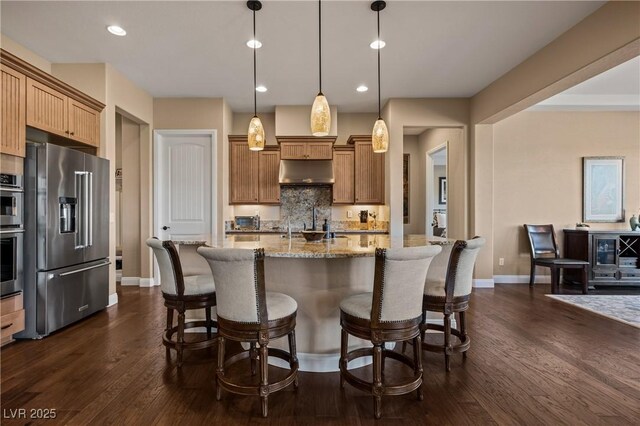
(377, 44)
(362, 88)
(261, 89)
(254, 44)
(116, 30)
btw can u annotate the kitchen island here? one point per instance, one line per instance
(318, 275)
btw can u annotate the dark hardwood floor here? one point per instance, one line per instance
(532, 360)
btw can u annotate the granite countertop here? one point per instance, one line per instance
(344, 246)
(279, 231)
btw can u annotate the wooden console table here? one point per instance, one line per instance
(613, 256)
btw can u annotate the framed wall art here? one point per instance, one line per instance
(603, 189)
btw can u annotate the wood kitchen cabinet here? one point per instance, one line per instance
(12, 317)
(253, 175)
(269, 170)
(306, 147)
(343, 172)
(31, 97)
(13, 112)
(368, 171)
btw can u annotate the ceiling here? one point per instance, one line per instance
(197, 49)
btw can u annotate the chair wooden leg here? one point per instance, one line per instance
(180, 343)
(462, 315)
(585, 280)
(208, 318)
(344, 345)
(169, 327)
(220, 368)
(253, 356)
(554, 281)
(417, 359)
(377, 380)
(404, 346)
(532, 275)
(294, 356)
(447, 341)
(264, 379)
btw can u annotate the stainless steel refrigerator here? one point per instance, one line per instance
(66, 246)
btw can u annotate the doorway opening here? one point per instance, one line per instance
(436, 197)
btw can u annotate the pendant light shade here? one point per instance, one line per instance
(380, 134)
(320, 116)
(320, 113)
(255, 135)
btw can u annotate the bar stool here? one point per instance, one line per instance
(248, 313)
(447, 290)
(391, 313)
(182, 293)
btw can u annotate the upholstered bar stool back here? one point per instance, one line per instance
(248, 313)
(447, 290)
(181, 294)
(391, 313)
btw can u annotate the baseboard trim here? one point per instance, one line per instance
(113, 299)
(147, 282)
(520, 279)
(483, 283)
(130, 281)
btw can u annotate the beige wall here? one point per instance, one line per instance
(417, 189)
(130, 221)
(433, 113)
(354, 124)
(25, 54)
(538, 174)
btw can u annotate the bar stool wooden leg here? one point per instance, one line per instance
(208, 318)
(253, 355)
(180, 345)
(417, 359)
(220, 368)
(168, 329)
(264, 379)
(585, 280)
(377, 380)
(294, 355)
(447, 341)
(344, 345)
(463, 330)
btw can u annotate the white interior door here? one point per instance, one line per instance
(184, 181)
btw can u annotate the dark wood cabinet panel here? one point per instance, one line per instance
(369, 172)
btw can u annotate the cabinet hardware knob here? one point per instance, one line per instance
(72, 133)
(6, 326)
(164, 228)
(66, 131)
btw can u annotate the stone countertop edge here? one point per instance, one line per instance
(348, 231)
(189, 242)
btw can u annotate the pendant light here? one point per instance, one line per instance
(255, 136)
(320, 114)
(380, 134)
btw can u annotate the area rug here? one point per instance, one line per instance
(625, 309)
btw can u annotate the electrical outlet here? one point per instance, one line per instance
(256, 212)
(501, 261)
(349, 214)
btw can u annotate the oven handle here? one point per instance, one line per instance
(12, 231)
(64, 274)
(10, 189)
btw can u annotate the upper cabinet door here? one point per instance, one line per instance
(13, 112)
(84, 123)
(46, 108)
(369, 174)
(243, 177)
(320, 150)
(293, 150)
(343, 171)
(269, 187)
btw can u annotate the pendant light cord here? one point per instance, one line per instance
(379, 48)
(320, 43)
(255, 96)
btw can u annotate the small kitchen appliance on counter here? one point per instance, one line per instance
(247, 223)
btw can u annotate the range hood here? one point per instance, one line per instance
(306, 172)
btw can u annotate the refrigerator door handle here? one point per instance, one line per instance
(64, 274)
(80, 189)
(90, 209)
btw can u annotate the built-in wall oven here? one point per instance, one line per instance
(11, 233)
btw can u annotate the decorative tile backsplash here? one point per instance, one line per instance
(297, 202)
